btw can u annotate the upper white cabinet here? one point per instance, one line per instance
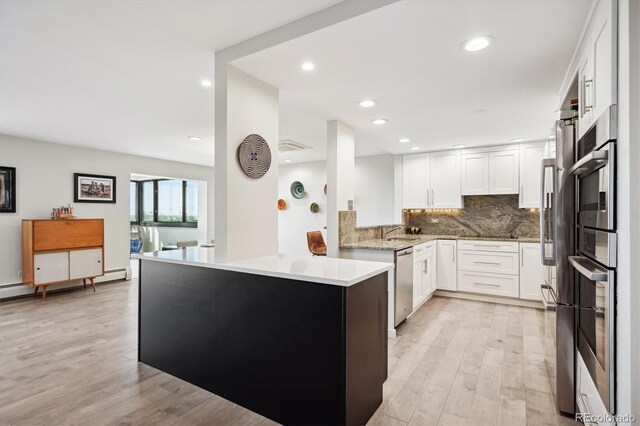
(474, 173)
(445, 180)
(492, 170)
(504, 172)
(431, 180)
(531, 156)
(597, 66)
(415, 181)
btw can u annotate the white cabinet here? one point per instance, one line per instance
(85, 263)
(531, 156)
(424, 273)
(489, 267)
(474, 173)
(532, 272)
(487, 261)
(488, 283)
(597, 68)
(431, 180)
(492, 170)
(446, 269)
(588, 398)
(503, 172)
(416, 186)
(445, 180)
(51, 267)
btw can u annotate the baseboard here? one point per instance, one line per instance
(13, 291)
(492, 299)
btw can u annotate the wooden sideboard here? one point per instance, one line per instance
(59, 251)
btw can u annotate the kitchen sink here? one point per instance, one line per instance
(400, 238)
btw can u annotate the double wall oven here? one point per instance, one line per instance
(594, 261)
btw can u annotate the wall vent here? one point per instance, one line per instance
(287, 145)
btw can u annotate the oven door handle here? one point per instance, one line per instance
(590, 162)
(589, 269)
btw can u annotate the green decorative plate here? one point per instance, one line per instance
(297, 190)
(314, 207)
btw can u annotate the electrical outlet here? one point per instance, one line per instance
(19, 274)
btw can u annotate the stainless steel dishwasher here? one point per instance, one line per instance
(403, 285)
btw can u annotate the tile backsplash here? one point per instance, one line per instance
(482, 216)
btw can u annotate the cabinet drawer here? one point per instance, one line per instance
(478, 261)
(51, 267)
(587, 396)
(67, 234)
(85, 263)
(506, 246)
(487, 283)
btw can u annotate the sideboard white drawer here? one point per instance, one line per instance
(488, 283)
(85, 263)
(51, 267)
(503, 246)
(482, 261)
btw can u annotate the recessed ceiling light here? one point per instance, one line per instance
(461, 145)
(379, 121)
(194, 138)
(367, 103)
(415, 148)
(518, 139)
(479, 112)
(288, 160)
(477, 43)
(206, 83)
(404, 140)
(308, 66)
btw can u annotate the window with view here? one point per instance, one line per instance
(191, 201)
(133, 202)
(164, 202)
(170, 201)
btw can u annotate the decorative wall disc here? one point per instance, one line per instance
(254, 156)
(297, 189)
(282, 204)
(314, 207)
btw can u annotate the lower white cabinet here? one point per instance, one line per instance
(85, 263)
(486, 261)
(588, 399)
(51, 267)
(424, 273)
(488, 283)
(532, 272)
(446, 266)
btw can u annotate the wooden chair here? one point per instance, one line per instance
(316, 243)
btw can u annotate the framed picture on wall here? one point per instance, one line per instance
(89, 188)
(7, 189)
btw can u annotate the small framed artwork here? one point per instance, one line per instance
(7, 189)
(89, 188)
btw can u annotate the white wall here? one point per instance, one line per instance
(45, 180)
(247, 223)
(374, 199)
(374, 180)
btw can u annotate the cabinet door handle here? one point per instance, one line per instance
(433, 198)
(587, 83)
(453, 252)
(522, 257)
(486, 263)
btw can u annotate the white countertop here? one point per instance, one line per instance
(324, 270)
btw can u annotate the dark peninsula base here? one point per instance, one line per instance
(296, 352)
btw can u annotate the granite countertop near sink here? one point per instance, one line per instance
(406, 241)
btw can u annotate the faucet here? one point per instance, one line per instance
(383, 233)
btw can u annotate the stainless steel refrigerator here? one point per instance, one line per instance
(557, 232)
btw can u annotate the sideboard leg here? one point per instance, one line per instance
(35, 293)
(84, 281)
(93, 284)
(44, 291)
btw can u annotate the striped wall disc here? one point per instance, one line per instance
(254, 156)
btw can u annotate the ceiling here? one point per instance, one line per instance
(124, 76)
(408, 57)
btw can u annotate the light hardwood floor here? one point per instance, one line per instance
(72, 360)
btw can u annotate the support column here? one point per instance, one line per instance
(340, 178)
(246, 220)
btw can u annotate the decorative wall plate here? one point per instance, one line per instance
(314, 207)
(282, 204)
(254, 156)
(297, 189)
(325, 189)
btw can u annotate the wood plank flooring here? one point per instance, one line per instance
(72, 360)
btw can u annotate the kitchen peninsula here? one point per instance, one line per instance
(300, 340)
